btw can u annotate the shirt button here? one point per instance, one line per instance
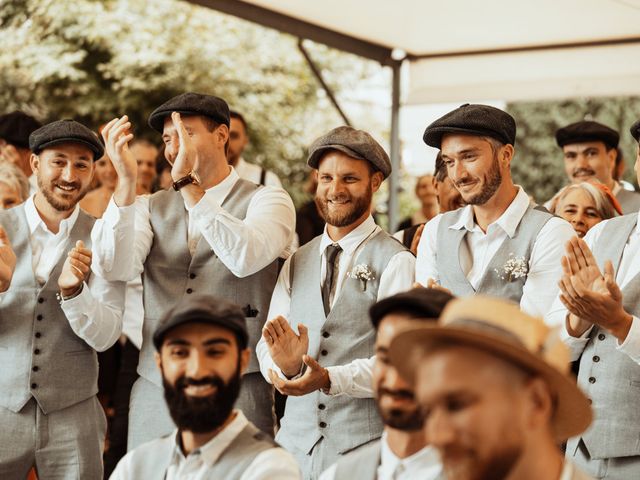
(192, 276)
(322, 406)
(324, 352)
(596, 358)
(326, 334)
(38, 334)
(35, 368)
(36, 351)
(39, 317)
(592, 380)
(322, 425)
(34, 385)
(601, 336)
(41, 300)
(189, 290)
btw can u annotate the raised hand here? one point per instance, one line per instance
(187, 158)
(416, 239)
(75, 270)
(315, 378)
(285, 346)
(7, 261)
(116, 138)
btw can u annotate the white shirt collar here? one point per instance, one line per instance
(426, 457)
(353, 239)
(212, 450)
(508, 221)
(34, 220)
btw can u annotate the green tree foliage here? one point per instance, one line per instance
(538, 164)
(92, 60)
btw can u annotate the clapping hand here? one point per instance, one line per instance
(315, 378)
(589, 296)
(7, 261)
(285, 346)
(116, 138)
(186, 160)
(75, 270)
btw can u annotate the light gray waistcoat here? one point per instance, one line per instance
(448, 245)
(608, 377)
(152, 459)
(64, 371)
(344, 335)
(629, 201)
(170, 273)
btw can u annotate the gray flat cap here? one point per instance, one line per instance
(355, 143)
(469, 119)
(204, 309)
(65, 131)
(635, 131)
(191, 104)
(587, 131)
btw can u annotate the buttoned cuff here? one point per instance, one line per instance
(631, 344)
(78, 305)
(115, 216)
(575, 344)
(340, 378)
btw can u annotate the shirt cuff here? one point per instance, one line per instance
(340, 378)
(78, 306)
(117, 216)
(631, 344)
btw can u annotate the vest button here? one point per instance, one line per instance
(35, 368)
(40, 300)
(592, 380)
(322, 425)
(39, 318)
(34, 385)
(322, 406)
(36, 351)
(326, 334)
(601, 336)
(189, 290)
(192, 276)
(38, 334)
(324, 352)
(596, 358)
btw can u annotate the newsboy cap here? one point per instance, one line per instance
(420, 302)
(15, 128)
(587, 131)
(635, 131)
(204, 309)
(191, 103)
(65, 131)
(355, 143)
(469, 119)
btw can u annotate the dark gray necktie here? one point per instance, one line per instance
(331, 254)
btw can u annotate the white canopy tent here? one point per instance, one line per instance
(463, 50)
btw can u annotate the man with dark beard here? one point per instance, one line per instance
(496, 391)
(319, 335)
(54, 315)
(402, 453)
(499, 244)
(201, 351)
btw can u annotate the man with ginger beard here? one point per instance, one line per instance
(402, 453)
(319, 341)
(499, 244)
(201, 351)
(496, 391)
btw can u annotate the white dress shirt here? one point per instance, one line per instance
(95, 315)
(478, 249)
(275, 463)
(424, 464)
(253, 173)
(244, 246)
(629, 268)
(354, 378)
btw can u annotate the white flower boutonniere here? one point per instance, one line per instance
(516, 267)
(363, 273)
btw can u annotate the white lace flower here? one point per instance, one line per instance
(514, 268)
(363, 273)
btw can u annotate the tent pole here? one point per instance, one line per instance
(394, 178)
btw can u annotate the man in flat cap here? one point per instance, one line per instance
(55, 314)
(201, 350)
(212, 233)
(499, 244)
(403, 452)
(590, 151)
(495, 387)
(15, 128)
(599, 312)
(319, 335)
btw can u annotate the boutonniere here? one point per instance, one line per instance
(363, 273)
(516, 267)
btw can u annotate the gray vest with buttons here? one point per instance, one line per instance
(170, 273)
(609, 377)
(152, 459)
(494, 281)
(40, 355)
(344, 335)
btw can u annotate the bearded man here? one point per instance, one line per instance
(499, 244)
(201, 351)
(319, 324)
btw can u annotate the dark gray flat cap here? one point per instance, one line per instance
(204, 309)
(469, 119)
(355, 143)
(635, 131)
(65, 131)
(191, 104)
(420, 302)
(587, 131)
(15, 128)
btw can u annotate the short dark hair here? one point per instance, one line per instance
(211, 125)
(238, 116)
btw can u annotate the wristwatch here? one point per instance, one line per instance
(192, 178)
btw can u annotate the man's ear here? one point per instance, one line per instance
(222, 134)
(34, 161)
(507, 154)
(376, 180)
(245, 357)
(158, 358)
